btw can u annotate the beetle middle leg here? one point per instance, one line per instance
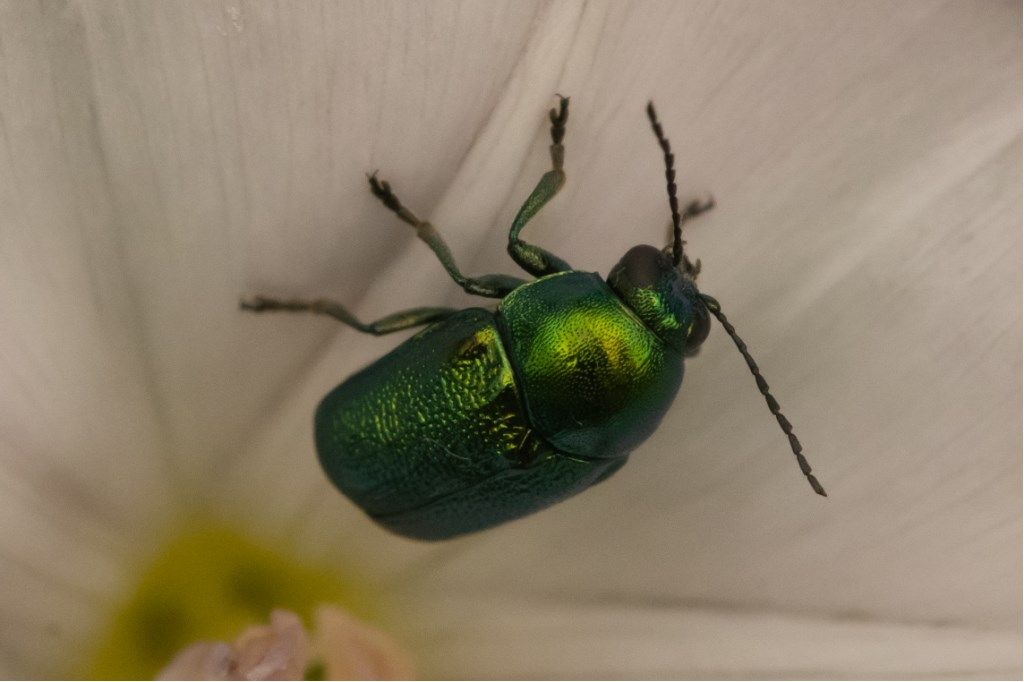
(535, 260)
(492, 286)
(414, 317)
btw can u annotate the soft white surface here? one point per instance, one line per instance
(159, 159)
(484, 637)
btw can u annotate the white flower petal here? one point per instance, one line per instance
(234, 142)
(61, 570)
(866, 245)
(866, 161)
(494, 636)
(879, 196)
(72, 359)
(81, 468)
(280, 462)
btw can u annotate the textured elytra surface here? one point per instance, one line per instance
(595, 380)
(438, 413)
(431, 440)
(504, 496)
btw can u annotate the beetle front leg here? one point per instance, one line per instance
(535, 260)
(692, 210)
(492, 286)
(414, 317)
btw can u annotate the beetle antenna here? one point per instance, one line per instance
(762, 386)
(670, 179)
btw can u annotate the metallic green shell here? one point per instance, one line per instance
(432, 440)
(491, 416)
(596, 381)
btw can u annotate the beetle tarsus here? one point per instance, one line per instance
(534, 259)
(382, 190)
(256, 304)
(491, 286)
(558, 118)
(405, 319)
(692, 269)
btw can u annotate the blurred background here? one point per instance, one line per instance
(159, 160)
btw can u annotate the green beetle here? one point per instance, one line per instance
(487, 415)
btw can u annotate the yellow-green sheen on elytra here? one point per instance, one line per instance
(489, 416)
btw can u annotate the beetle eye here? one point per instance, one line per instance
(698, 331)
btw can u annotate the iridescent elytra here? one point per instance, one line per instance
(490, 414)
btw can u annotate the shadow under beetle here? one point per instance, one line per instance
(489, 415)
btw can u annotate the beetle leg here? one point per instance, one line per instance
(535, 260)
(492, 286)
(692, 210)
(414, 317)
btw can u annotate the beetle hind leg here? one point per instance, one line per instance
(414, 317)
(492, 286)
(535, 260)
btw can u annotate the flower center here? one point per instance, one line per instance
(210, 583)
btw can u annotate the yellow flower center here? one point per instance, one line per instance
(210, 583)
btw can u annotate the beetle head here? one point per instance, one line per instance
(661, 295)
(659, 286)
